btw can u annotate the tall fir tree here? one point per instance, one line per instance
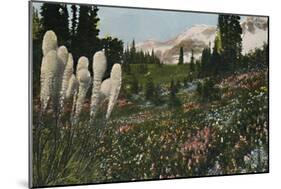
(36, 24)
(149, 88)
(134, 85)
(86, 42)
(192, 61)
(230, 32)
(73, 20)
(217, 66)
(55, 17)
(205, 61)
(173, 100)
(65, 32)
(133, 53)
(36, 49)
(114, 52)
(126, 60)
(181, 59)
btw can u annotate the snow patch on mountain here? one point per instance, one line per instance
(255, 33)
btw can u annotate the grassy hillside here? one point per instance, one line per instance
(161, 74)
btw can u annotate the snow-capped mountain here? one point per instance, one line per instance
(255, 34)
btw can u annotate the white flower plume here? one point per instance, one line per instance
(83, 63)
(48, 78)
(116, 80)
(84, 80)
(99, 68)
(50, 42)
(67, 75)
(72, 87)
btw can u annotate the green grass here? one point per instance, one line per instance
(161, 74)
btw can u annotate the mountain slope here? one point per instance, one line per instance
(255, 34)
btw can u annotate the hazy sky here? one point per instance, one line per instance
(142, 24)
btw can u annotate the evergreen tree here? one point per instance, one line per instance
(133, 53)
(36, 49)
(36, 24)
(181, 59)
(173, 100)
(197, 68)
(126, 61)
(149, 88)
(64, 22)
(73, 20)
(114, 52)
(94, 31)
(153, 57)
(192, 61)
(157, 95)
(141, 58)
(134, 85)
(86, 42)
(177, 86)
(205, 61)
(216, 63)
(230, 32)
(55, 17)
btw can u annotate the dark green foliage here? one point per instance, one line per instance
(257, 59)
(132, 56)
(133, 52)
(86, 41)
(126, 58)
(230, 31)
(174, 101)
(205, 62)
(74, 20)
(197, 68)
(36, 49)
(149, 88)
(143, 68)
(207, 91)
(55, 17)
(36, 25)
(178, 86)
(135, 85)
(113, 50)
(192, 62)
(158, 100)
(181, 59)
(226, 55)
(81, 38)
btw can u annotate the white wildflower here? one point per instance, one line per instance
(84, 80)
(67, 75)
(49, 78)
(105, 88)
(50, 42)
(99, 68)
(83, 63)
(116, 79)
(72, 86)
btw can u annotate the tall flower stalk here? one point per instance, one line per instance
(116, 80)
(84, 80)
(99, 68)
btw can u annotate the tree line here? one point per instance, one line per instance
(133, 56)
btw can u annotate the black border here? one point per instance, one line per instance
(30, 105)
